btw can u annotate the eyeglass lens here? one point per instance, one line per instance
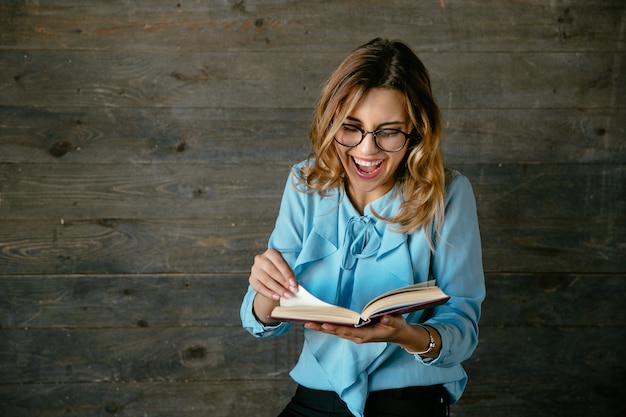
(389, 140)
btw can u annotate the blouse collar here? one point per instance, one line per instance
(325, 237)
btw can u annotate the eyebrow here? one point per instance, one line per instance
(354, 119)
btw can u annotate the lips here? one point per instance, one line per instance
(367, 168)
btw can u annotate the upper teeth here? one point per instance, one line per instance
(367, 163)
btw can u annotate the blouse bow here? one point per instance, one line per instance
(361, 240)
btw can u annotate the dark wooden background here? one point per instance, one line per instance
(143, 150)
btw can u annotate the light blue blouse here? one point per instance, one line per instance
(347, 259)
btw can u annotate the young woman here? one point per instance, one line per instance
(371, 210)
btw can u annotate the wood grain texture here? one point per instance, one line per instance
(253, 135)
(262, 398)
(214, 190)
(141, 368)
(144, 147)
(574, 375)
(144, 354)
(286, 25)
(232, 80)
(212, 301)
(127, 246)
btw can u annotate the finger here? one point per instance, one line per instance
(356, 335)
(280, 266)
(313, 325)
(262, 289)
(266, 285)
(266, 278)
(267, 265)
(322, 327)
(390, 321)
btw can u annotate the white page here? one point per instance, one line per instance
(302, 298)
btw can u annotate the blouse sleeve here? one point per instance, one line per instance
(457, 266)
(287, 239)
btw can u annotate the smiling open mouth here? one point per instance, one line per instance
(367, 168)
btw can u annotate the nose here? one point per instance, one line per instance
(368, 144)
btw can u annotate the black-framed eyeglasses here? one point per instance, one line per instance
(388, 140)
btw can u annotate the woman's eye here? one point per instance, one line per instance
(387, 133)
(350, 128)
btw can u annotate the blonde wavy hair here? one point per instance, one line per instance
(382, 63)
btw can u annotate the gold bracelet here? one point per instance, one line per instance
(431, 343)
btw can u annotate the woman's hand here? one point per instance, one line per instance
(271, 277)
(391, 328)
(387, 329)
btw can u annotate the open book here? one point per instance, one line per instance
(304, 306)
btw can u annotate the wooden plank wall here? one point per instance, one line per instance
(143, 150)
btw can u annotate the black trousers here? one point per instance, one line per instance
(432, 401)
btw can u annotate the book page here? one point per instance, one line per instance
(303, 298)
(424, 296)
